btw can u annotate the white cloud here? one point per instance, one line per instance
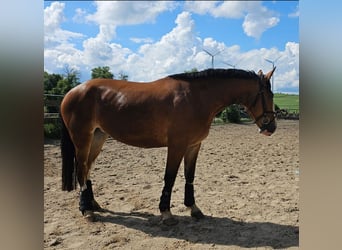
(58, 47)
(200, 7)
(98, 52)
(286, 74)
(107, 32)
(289, 75)
(55, 59)
(141, 40)
(53, 16)
(226, 9)
(128, 13)
(292, 49)
(234, 9)
(172, 53)
(257, 18)
(255, 24)
(110, 14)
(53, 34)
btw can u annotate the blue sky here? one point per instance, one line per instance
(149, 40)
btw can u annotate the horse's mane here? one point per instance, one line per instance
(218, 73)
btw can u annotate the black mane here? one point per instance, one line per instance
(218, 73)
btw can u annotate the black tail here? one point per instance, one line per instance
(68, 160)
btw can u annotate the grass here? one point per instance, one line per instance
(286, 101)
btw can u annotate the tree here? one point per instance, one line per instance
(72, 76)
(193, 70)
(63, 86)
(58, 85)
(233, 113)
(101, 72)
(69, 80)
(50, 81)
(123, 76)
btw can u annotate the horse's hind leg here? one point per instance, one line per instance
(96, 146)
(190, 159)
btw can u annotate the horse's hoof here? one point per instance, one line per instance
(196, 212)
(197, 215)
(170, 221)
(89, 216)
(96, 206)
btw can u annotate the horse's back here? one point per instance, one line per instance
(95, 90)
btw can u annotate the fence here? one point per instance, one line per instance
(288, 114)
(51, 106)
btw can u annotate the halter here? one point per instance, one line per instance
(264, 116)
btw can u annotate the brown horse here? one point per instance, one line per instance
(174, 112)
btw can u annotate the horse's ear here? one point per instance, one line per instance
(269, 74)
(260, 73)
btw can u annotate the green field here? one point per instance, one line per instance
(286, 101)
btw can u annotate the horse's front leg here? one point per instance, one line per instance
(190, 159)
(174, 158)
(87, 203)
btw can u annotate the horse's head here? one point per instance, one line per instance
(262, 108)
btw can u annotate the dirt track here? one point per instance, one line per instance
(246, 184)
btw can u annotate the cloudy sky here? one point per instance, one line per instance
(150, 40)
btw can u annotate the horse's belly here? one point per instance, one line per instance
(139, 137)
(143, 141)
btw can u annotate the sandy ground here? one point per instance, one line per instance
(246, 184)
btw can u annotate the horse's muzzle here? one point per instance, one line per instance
(268, 129)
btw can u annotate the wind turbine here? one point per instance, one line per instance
(212, 56)
(272, 62)
(231, 65)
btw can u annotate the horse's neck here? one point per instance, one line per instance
(230, 92)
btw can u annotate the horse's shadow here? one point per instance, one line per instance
(210, 230)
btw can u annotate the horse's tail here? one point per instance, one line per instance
(68, 160)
